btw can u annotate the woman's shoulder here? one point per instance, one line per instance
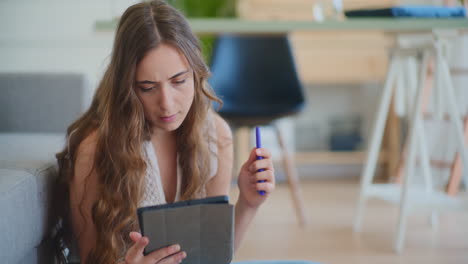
(223, 131)
(88, 144)
(85, 154)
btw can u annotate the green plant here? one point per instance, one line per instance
(205, 9)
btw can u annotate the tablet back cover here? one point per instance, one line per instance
(204, 231)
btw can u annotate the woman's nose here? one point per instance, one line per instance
(166, 98)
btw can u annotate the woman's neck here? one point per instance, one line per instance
(159, 137)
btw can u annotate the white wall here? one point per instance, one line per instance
(56, 36)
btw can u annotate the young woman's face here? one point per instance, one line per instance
(165, 86)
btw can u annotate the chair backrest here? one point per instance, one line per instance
(40, 102)
(256, 74)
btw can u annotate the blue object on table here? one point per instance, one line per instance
(410, 11)
(345, 141)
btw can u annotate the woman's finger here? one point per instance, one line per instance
(160, 254)
(252, 158)
(267, 175)
(174, 259)
(136, 251)
(264, 164)
(263, 152)
(267, 187)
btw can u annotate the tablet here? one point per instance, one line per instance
(203, 228)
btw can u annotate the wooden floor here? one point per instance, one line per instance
(328, 238)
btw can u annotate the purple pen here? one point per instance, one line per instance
(258, 140)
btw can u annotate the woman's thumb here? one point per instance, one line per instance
(135, 236)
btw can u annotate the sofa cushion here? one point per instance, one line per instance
(41, 102)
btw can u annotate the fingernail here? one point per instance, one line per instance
(175, 248)
(181, 257)
(258, 151)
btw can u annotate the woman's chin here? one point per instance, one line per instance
(168, 127)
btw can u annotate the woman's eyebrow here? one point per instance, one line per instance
(172, 77)
(145, 82)
(178, 74)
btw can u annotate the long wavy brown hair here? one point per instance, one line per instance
(117, 117)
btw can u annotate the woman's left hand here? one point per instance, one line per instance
(250, 178)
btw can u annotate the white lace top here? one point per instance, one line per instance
(154, 191)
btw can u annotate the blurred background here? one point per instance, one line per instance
(342, 75)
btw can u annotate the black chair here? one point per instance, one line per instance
(256, 78)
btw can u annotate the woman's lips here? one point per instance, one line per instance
(168, 118)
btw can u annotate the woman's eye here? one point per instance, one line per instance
(144, 89)
(180, 81)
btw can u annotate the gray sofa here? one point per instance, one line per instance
(35, 109)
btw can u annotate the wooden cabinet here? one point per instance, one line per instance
(327, 57)
(340, 57)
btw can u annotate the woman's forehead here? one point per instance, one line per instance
(161, 63)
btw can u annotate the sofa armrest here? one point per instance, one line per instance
(24, 203)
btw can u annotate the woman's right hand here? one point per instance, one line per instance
(167, 255)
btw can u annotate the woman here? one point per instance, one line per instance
(149, 137)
